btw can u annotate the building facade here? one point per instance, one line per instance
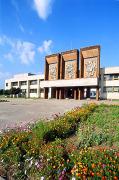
(28, 83)
(63, 78)
(71, 74)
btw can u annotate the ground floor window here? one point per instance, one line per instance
(33, 90)
(41, 90)
(111, 89)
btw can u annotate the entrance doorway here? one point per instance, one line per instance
(69, 93)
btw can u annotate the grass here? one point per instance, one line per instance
(100, 128)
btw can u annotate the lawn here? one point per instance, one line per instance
(81, 144)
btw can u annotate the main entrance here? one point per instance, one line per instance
(69, 93)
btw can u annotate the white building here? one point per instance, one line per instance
(109, 83)
(33, 85)
(28, 83)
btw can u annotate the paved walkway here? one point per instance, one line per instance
(18, 112)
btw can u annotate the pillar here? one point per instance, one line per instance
(76, 93)
(28, 89)
(81, 93)
(50, 93)
(45, 93)
(97, 93)
(61, 93)
(88, 93)
(57, 93)
(38, 88)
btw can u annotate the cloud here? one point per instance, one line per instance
(43, 8)
(14, 3)
(9, 56)
(21, 28)
(25, 51)
(46, 47)
(21, 50)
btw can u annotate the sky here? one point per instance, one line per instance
(32, 29)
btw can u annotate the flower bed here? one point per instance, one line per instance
(41, 151)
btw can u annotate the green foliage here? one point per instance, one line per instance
(95, 163)
(100, 128)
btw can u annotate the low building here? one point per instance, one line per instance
(71, 74)
(28, 83)
(109, 83)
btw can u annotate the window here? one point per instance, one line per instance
(14, 83)
(41, 79)
(33, 82)
(33, 90)
(23, 90)
(111, 89)
(23, 83)
(6, 84)
(108, 77)
(116, 89)
(116, 77)
(41, 90)
(107, 89)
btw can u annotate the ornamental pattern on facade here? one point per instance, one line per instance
(90, 67)
(69, 70)
(52, 71)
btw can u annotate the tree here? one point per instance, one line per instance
(7, 92)
(1, 91)
(17, 91)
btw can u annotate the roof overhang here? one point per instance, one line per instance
(70, 83)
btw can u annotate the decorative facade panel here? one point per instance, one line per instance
(70, 69)
(90, 67)
(53, 71)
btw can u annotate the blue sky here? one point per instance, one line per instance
(31, 29)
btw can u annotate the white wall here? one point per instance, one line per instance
(110, 95)
(33, 95)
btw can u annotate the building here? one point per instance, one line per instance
(63, 78)
(28, 83)
(73, 75)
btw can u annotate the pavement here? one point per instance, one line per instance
(19, 112)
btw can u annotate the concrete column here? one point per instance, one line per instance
(88, 92)
(76, 93)
(50, 93)
(57, 93)
(38, 88)
(28, 89)
(97, 93)
(61, 93)
(19, 86)
(81, 93)
(45, 93)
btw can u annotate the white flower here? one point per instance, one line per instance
(73, 178)
(42, 178)
(36, 163)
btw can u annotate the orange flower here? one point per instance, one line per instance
(79, 174)
(104, 178)
(93, 165)
(98, 174)
(92, 173)
(115, 178)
